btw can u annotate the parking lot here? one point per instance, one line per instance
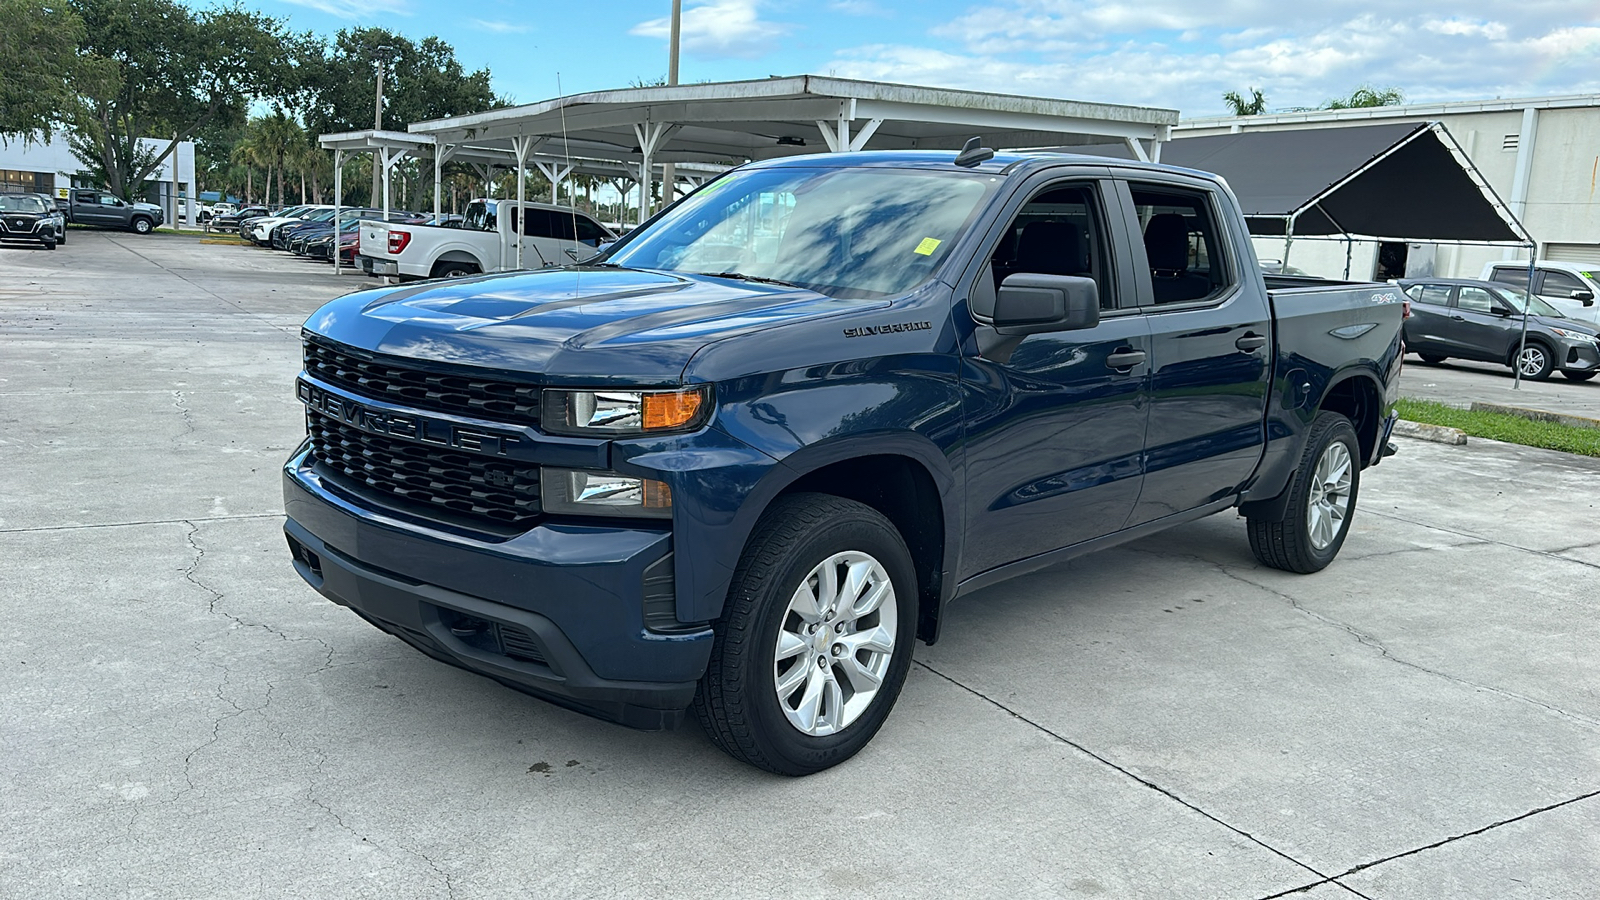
(182, 716)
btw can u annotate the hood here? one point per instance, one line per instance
(578, 326)
(1575, 326)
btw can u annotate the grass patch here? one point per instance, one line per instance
(1501, 427)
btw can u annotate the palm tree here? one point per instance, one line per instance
(279, 135)
(1255, 106)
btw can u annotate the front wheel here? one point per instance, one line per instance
(1432, 359)
(1322, 498)
(1578, 376)
(141, 225)
(1535, 362)
(815, 641)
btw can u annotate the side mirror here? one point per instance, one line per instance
(1584, 297)
(1498, 310)
(1029, 303)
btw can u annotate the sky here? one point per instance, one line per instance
(1177, 54)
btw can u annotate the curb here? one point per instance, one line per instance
(1537, 415)
(1439, 434)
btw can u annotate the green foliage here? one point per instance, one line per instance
(1254, 106)
(1367, 96)
(38, 46)
(155, 68)
(422, 80)
(1501, 427)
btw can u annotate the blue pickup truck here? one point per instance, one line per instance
(743, 459)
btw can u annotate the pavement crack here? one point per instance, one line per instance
(1465, 834)
(1551, 554)
(190, 520)
(1374, 643)
(1165, 792)
(186, 413)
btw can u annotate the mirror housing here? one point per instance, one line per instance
(1501, 311)
(1031, 303)
(1584, 297)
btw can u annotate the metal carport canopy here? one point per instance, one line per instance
(1408, 181)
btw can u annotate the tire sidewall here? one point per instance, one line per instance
(779, 738)
(1328, 430)
(141, 226)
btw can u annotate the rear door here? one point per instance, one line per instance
(1425, 331)
(1054, 422)
(1211, 335)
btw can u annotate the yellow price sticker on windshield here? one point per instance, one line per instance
(928, 245)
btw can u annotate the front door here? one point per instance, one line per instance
(1480, 326)
(1055, 423)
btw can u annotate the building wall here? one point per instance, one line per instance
(1562, 204)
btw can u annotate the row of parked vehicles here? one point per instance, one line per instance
(41, 220)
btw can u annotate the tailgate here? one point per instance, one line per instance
(375, 240)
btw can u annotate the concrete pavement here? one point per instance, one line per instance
(181, 716)
(1460, 383)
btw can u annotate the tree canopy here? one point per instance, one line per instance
(1255, 105)
(422, 80)
(1367, 96)
(38, 47)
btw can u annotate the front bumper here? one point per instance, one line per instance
(562, 606)
(1578, 356)
(38, 231)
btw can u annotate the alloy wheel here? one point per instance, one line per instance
(1329, 501)
(1531, 361)
(835, 643)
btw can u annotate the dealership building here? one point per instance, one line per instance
(49, 167)
(1539, 156)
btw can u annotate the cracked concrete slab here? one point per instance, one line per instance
(182, 715)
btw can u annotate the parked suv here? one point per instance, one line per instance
(110, 211)
(31, 218)
(1569, 287)
(1482, 320)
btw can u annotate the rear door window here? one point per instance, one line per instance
(1432, 294)
(1183, 245)
(1514, 275)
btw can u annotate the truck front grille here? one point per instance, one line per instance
(438, 388)
(490, 492)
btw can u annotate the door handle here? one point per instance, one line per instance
(1250, 341)
(1125, 358)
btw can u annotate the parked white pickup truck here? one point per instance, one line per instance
(486, 241)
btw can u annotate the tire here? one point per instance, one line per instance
(1535, 360)
(140, 225)
(1578, 376)
(1310, 535)
(49, 245)
(752, 701)
(1432, 359)
(62, 237)
(454, 270)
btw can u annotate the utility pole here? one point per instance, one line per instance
(381, 62)
(669, 172)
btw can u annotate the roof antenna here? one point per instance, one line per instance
(973, 153)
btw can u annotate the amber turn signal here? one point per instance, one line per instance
(670, 410)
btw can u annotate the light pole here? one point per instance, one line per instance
(669, 172)
(380, 60)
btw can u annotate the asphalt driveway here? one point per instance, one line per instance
(181, 716)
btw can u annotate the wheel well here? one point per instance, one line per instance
(454, 256)
(1511, 358)
(901, 489)
(1358, 400)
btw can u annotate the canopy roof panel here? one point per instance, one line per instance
(1400, 181)
(740, 120)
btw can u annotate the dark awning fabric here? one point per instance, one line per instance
(1409, 187)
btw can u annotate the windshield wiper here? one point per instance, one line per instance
(740, 276)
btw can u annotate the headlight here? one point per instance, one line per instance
(1575, 336)
(583, 493)
(597, 413)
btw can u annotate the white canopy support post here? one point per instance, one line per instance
(859, 142)
(556, 173)
(383, 160)
(521, 145)
(338, 200)
(829, 136)
(1155, 151)
(1137, 149)
(1288, 239)
(651, 136)
(441, 155)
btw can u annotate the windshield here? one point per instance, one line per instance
(1520, 300)
(865, 232)
(22, 203)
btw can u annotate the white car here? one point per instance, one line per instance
(1569, 287)
(260, 230)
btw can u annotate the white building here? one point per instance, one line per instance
(50, 168)
(1539, 155)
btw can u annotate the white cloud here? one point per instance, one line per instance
(498, 27)
(720, 28)
(366, 10)
(859, 8)
(1184, 55)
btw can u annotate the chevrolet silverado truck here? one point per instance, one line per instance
(486, 241)
(741, 461)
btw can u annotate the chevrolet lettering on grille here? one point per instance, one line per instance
(403, 425)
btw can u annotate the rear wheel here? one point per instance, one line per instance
(454, 270)
(815, 641)
(1578, 376)
(1536, 361)
(1432, 359)
(1322, 499)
